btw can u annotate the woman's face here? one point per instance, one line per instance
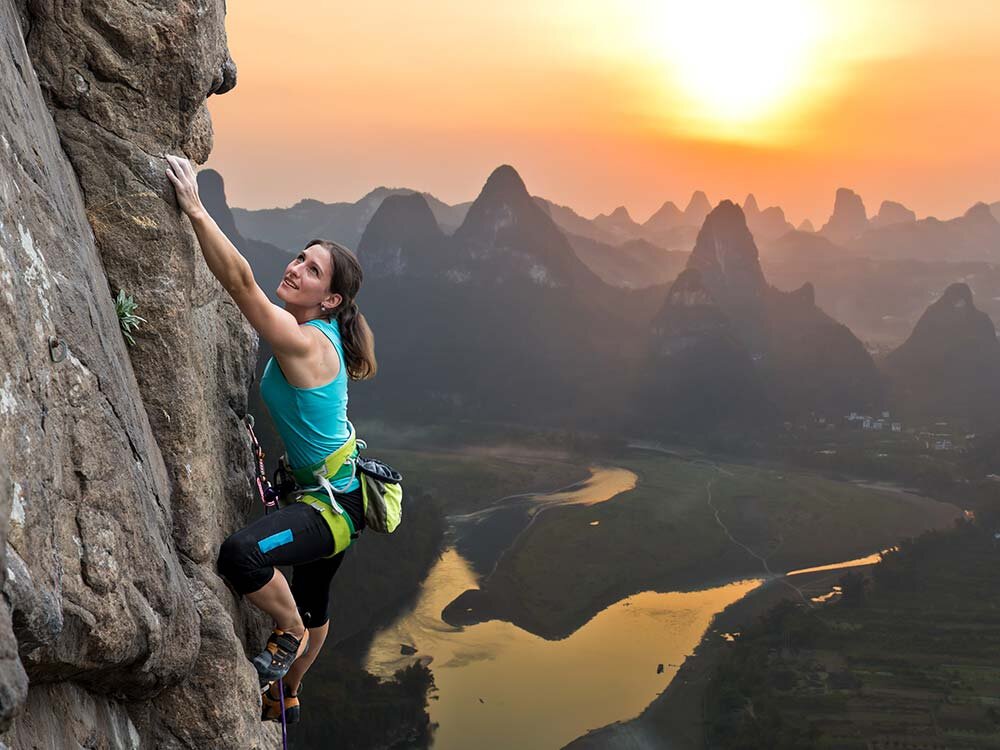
(307, 278)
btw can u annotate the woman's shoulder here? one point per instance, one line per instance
(324, 325)
(330, 329)
(327, 332)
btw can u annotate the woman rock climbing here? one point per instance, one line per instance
(320, 341)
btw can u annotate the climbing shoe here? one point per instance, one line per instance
(270, 708)
(273, 662)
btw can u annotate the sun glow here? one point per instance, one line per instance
(738, 65)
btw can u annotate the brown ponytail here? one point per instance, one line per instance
(355, 334)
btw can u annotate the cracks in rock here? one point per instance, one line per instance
(136, 454)
(100, 75)
(17, 65)
(83, 483)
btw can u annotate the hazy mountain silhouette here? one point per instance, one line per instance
(891, 212)
(669, 228)
(673, 229)
(633, 264)
(973, 236)
(767, 224)
(619, 223)
(402, 239)
(802, 248)
(668, 216)
(291, 228)
(697, 209)
(698, 374)
(805, 359)
(848, 219)
(506, 234)
(879, 300)
(500, 321)
(950, 365)
(726, 255)
(806, 226)
(508, 318)
(572, 223)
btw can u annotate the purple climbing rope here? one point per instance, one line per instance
(284, 724)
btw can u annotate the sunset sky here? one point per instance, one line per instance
(599, 103)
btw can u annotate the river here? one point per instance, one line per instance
(499, 686)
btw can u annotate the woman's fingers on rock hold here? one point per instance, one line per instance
(182, 176)
(179, 167)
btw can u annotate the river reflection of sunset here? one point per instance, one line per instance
(500, 686)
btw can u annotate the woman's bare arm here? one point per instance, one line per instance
(275, 325)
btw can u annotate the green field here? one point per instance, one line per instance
(663, 536)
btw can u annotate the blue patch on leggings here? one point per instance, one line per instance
(275, 540)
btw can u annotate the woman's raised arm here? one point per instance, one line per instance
(276, 326)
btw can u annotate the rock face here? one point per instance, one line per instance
(848, 219)
(126, 467)
(950, 365)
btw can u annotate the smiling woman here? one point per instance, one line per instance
(738, 64)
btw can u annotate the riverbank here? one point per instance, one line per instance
(674, 720)
(689, 521)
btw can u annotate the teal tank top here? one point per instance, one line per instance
(312, 422)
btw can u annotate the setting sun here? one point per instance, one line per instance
(736, 64)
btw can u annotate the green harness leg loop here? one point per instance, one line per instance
(336, 467)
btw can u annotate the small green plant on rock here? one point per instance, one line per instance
(125, 306)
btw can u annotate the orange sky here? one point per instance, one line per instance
(599, 103)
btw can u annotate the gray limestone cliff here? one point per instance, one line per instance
(121, 468)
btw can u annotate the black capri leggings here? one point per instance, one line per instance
(298, 536)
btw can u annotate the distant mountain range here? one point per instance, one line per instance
(766, 342)
(525, 311)
(291, 228)
(949, 367)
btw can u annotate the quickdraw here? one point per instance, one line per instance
(268, 495)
